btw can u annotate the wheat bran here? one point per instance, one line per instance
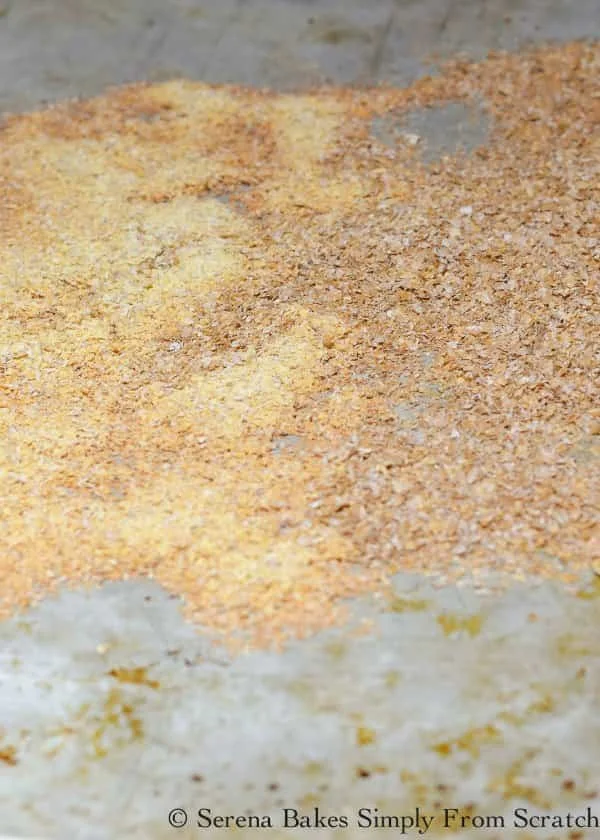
(189, 274)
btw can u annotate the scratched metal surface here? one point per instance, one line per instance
(52, 49)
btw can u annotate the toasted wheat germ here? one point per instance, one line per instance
(190, 275)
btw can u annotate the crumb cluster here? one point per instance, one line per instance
(254, 352)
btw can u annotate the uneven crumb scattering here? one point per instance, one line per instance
(252, 351)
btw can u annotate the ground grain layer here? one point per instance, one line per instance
(253, 352)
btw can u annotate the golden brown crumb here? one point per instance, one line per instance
(252, 352)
